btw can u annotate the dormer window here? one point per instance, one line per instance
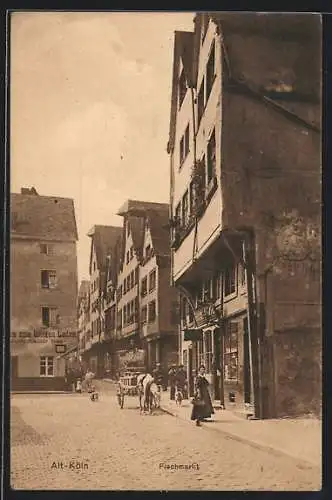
(182, 88)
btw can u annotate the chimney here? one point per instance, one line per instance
(31, 191)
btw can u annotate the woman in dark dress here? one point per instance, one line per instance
(202, 404)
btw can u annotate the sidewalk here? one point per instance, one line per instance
(300, 438)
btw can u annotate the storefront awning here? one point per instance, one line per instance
(193, 334)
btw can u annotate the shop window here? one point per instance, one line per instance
(231, 352)
(46, 366)
(211, 158)
(152, 311)
(208, 351)
(230, 281)
(144, 286)
(200, 353)
(48, 279)
(152, 280)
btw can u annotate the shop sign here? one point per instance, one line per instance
(41, 336)
(193, 334)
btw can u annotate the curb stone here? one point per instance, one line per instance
(303, 464)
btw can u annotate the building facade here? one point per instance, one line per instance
(158, 300)
(43, 289)
(244, 129)
(103, 241)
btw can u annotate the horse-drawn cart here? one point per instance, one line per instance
(127, 386)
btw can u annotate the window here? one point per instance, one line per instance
(184, 145)
(131, 253)
(48, 279)
(182, 88)
(152, 311)
(144, 314)
(136, 276)
(125, 314)
(208, 351)
(152, 280)
(186, 141)
(231, 352)
(185, 208)
(210, 69)
(148, 251)
(181, 150)
(44, 248)
(211, 157)
(230, 280)
(144, 286)
(119, 319)
(200, 102)
(46, 366)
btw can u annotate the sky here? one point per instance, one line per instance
(90, 105)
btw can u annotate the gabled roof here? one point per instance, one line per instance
(104, 239)
(183, 49)
(42, 217)
(84, 288)
(158, 223)
(135, 213)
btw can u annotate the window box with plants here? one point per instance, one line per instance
(198, 191)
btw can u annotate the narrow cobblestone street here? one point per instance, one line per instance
(68, 442)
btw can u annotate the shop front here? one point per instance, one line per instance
(37, 363)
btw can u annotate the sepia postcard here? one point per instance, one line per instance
(165, 251)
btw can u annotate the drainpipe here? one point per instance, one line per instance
(254, 351)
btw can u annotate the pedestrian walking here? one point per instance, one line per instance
(172, 382)
(181, 381)
(202, 404)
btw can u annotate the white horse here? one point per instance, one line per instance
(148, 392)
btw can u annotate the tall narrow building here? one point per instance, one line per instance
(245, 154)
(43, 289)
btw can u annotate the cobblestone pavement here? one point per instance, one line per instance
(68, 442)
